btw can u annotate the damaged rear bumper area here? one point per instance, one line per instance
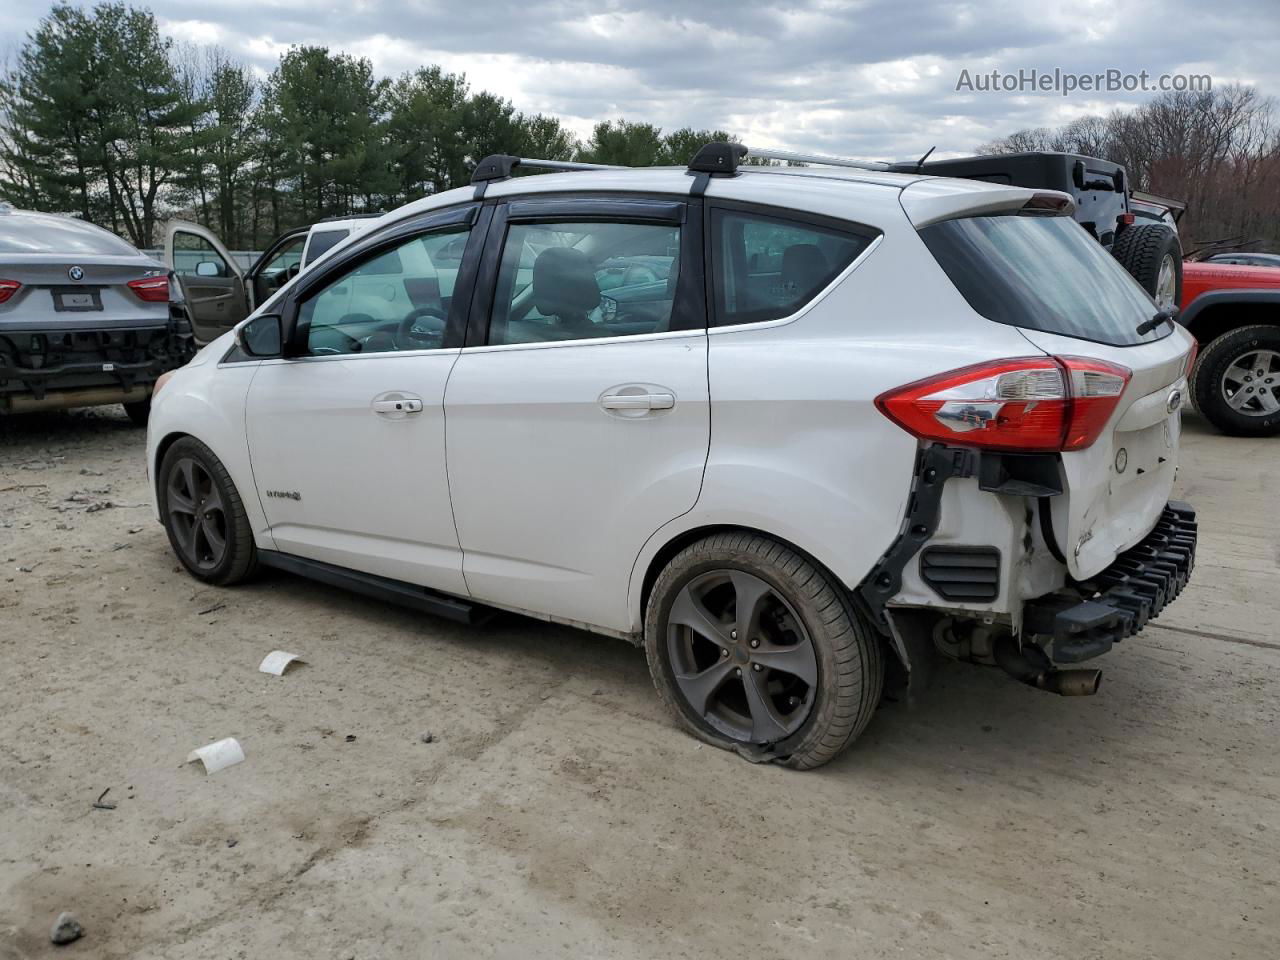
(56, 369)
(1123, 598)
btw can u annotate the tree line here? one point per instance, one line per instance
(1219, 151)
(104, 117)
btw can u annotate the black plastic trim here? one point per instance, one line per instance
(379, 588)
(1122, 599)
(1213, 298)
(935, 465)
(962, 574)
(595, 208)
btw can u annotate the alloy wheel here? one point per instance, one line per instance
(741, 658)
(197, 515)
(1249, 385)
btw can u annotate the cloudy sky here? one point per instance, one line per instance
(869, 78)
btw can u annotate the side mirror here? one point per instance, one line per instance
(207, 268)
(262, 337)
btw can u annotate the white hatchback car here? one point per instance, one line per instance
(788, 428)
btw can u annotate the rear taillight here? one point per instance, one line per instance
(8, 288)
(1191, 357)
(1027, 404)
(151, 289)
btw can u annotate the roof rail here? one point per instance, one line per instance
(819, 158)
(498, 166)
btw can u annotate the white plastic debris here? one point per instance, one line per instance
(277, 660)
(215, 756)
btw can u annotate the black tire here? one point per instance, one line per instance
(1142, 250)
(849, 662)
(1210, 382)
(139, 412)
(238, 560)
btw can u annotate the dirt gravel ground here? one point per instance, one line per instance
(558, 812)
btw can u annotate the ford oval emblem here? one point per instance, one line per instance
(1174, 403)
(75, 273)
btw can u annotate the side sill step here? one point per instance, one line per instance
(380, 588)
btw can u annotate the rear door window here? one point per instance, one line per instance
(1042, 273)
(577, 281)
(769, 267)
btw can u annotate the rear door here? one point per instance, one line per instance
(578, 422)
(212, 283)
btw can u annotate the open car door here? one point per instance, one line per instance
(212, 283)
(278, 265)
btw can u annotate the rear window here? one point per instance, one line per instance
(1042, 273)
(323, 241)
(20, 233)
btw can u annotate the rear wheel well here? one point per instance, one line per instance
(679, 542)
(1222, 318)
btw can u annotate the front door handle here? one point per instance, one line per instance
(638, 401)
(396, 406)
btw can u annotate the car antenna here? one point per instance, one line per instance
(920, 162)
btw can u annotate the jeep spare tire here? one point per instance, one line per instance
(1153, 255)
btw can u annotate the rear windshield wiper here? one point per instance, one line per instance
(1163, 316)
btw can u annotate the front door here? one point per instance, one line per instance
(578, 416)
(212, 282)
(347, 439)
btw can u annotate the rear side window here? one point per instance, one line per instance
(1042, 273)
(768, 267)
(322, 241)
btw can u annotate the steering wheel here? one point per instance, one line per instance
(435, 332)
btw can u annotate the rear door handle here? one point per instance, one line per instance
(396, 406)
(638, 401)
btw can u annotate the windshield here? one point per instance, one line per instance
(1042, 273)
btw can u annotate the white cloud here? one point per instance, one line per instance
(860, 77)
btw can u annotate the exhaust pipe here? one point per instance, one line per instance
(1028, 664)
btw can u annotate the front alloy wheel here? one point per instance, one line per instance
(197, 515)
(758, 650)
(203, 514)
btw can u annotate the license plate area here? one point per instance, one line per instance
(76, 299)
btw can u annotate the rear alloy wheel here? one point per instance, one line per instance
(204, 516)
(758, 650)
(1237, 381)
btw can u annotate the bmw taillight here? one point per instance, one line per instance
(151, 289)
(1026, 404)
(8, 288)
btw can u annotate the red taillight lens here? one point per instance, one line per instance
(8, 288)
(151, 289)
(1027, 404)
(1191, 357)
